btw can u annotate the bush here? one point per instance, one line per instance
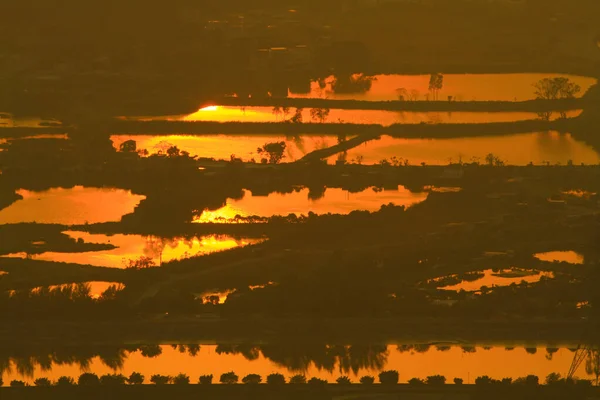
(276, 379)
(181, 379)
(41, 382)
(88, 379)
(367, 380)
(298, 380)
(135, 378)
(317, 381)
(436, 380)
(343, 380)
(506, 381)
(389, 377)
(113, 379)
(416, 382)
(530, 380)
(229, 378)
(160, 379)
(205, 379)
(583, 383)
(65, 381)
(458, 381)
(483, 380)
(252, 379)
(16, 383)
(553, 378)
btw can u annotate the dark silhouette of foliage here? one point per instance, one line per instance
(65, 381)
(113, 379)
(390, 377)
(367, 380)
(87, 379)
(161, 379)
(458, 381)
(275, 379)
(17, 383)
(483, 380)
(229, 378)
(252, 379)
(41, 382)
(135, 379)
(343, 380)
(316, 381)
(275, 152)
(416, 382)
(436, 380)
(181, 379)
(298, 380)
(205, 379)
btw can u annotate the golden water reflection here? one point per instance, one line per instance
(334, 200)
(221, 147)
(77, 205)
(519, 149)
(385, 118)
(132, 247)
(462, 87)
(571, 257)
(501, 278)
(418, 361)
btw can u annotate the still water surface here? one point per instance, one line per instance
(520, 149)
(325, 362)
(77, 205)
(132, 247)
(221, 147)
(385, 118)
(299, 202)
(462, 87)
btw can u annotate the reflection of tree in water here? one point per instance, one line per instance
(25, 361)
(299, 358)
(592, 364)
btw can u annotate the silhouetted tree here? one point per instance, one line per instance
(252, 379)
(113, 379)
(458, 381)
(65, 381)
(298, 380)
(16, 383)
(275, 379)
(390, 377)
(556, 88)
(41, 382)
(367, 380)
(205, 379)
(297, 117)
(316, 381)
(135, 378)
(160, 379)
(436, 82)
(128, 146)
(229, 378)
(87, 379)
(343, 380)
(416, 382)
(274, 150)
(319, 114)
(181, 379)
(435, 380)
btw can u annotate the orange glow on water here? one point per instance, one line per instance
(78, 205)
(334, 200)
(571, 257)
(496, 362)
(132, 247)
(520, 149)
